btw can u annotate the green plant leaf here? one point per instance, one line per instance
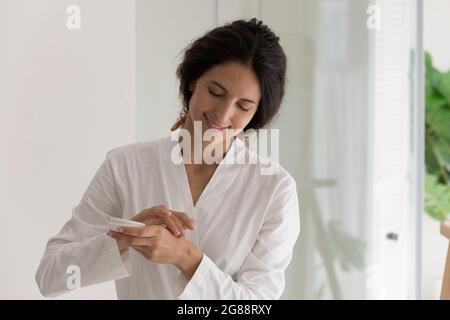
(431, 162)
(442, 84)
(437, 157)
(438, 119)
(437, 122)
(428, 60)
(437, 198)
(434, 100)
(429, 88)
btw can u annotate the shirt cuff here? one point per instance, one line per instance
(120, 262)
(192, 289)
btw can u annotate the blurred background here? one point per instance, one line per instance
(80, 77)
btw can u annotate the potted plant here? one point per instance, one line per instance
(437, 141)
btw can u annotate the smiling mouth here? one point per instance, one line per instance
(213, 125)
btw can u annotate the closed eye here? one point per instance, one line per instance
(221, 95)
(242, 108)
(215, 94)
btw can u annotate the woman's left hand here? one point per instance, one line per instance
(158, 244)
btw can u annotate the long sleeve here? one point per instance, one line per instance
(261, 276)
(82, 242)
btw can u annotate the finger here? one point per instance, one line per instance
(131, 231)
(191, 223)
(187, 221)
(162, 205)
(171, 225)
(168, 216)
(142, 232)
(148, 213)
(130, 240)
(150, 244)
(162, 211)
(179, 224)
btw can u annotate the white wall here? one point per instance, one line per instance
(436, 27)
(66, 98)
(434, 246)
(163, 29)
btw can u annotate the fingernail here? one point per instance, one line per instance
(120, 230)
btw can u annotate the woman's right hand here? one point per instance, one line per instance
(176, 222)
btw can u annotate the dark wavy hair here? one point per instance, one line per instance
(251, 43)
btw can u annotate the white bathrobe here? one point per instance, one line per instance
(247, 225)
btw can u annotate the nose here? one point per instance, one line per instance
(224, 113)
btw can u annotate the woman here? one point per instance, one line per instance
(213, 230)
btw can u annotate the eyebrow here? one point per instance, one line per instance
(223, 88)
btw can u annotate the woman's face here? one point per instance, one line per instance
(224, 97)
